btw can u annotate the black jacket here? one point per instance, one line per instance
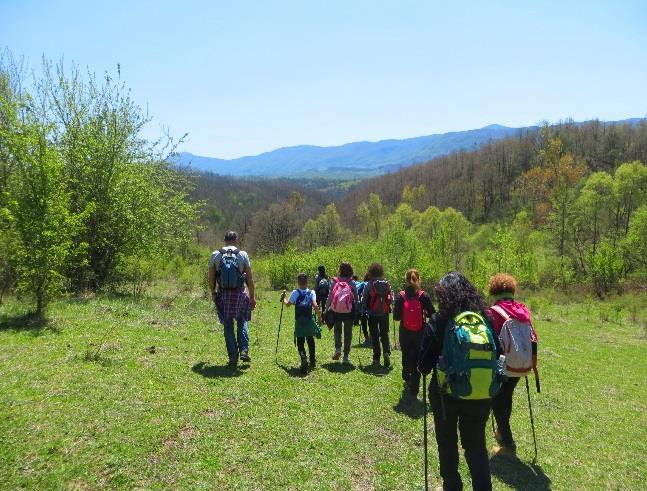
(425, 301)
(432, 341)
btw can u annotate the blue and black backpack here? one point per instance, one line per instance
(229, 275)
(303, 305)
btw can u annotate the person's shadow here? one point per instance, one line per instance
(376, 370)
(338, 367)
(409, 405)
(217, 371)
(30, 322)
(293, 371)
(518, 474)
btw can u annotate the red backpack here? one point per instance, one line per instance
(341, 300)
(379, 298)
(412, 319)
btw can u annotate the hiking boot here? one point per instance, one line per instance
(233, 362)
(244, 356)
(313, 363)
(304, 362)
(337, 355)
(376, 362)
(414, 389)
(387, 360)
(502, 443)
(346, 360)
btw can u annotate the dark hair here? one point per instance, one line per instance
(367, 276)
(355, 277)
(231, 236)
(375, 271)
(345, 270)
(456, 294)
(322, 270)
(302, 279)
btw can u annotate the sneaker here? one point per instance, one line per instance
(244, 356)
(337, 355)
(387, 360)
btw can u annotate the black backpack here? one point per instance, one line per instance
(322, 288)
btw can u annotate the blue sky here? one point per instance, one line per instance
(243, 77)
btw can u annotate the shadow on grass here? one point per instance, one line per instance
(218, 371)
(30, 322)
(338, 367)
(409, 405)
(518, 474)
(293, 371)
(376, 370)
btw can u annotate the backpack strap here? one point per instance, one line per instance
(501, 311)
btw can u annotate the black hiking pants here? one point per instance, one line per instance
(363, 320)
(410, 346)
(502, 409)
(468, 418)
(379, 328)
(311, 346)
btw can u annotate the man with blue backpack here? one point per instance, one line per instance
(232, 291)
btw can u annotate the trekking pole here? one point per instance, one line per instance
(278, 334)
(424, 402)
(532, 420)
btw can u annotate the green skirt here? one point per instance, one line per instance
(306, 327)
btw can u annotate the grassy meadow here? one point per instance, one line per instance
(113, 392)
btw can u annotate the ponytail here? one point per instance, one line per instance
(412, 278)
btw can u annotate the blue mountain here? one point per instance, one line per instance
(352, 160)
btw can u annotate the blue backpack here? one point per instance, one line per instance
(468, 367)
(303, 305)
(229, 275)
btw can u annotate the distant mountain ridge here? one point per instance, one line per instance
(352, 160)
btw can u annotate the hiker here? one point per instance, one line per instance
(343, 304)
(305, 327)
(502, 287)
(363, 315)
(412, 307)
(461, 402)
(322, 285)
(376, 302)
(232, 291)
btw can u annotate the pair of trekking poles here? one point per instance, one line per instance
(425, 431)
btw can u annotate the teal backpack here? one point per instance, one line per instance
(468, 367)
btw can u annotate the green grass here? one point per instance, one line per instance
(87, 402)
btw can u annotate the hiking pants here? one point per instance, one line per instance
(410, 346)
(469, 418)
(347, 324)
(239, 342)
(364, 323)
(379, 327)
(502, 409)
(311, 346)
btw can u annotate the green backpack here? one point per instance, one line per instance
(468, 367)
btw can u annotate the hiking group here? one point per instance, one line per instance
(475, 354)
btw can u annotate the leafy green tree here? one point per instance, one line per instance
(375, 212)
(39, 210)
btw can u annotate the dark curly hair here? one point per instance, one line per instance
(376, 271)
(456, 294)
(345, 270)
